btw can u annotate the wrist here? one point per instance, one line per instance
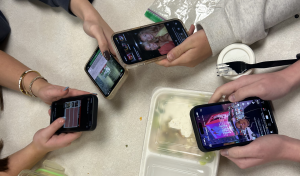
(36, 150)
(290, 73)
(291, 149)
(38, 85)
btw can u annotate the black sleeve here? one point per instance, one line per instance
(4, 27)
(60, 3)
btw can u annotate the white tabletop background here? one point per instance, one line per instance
(52, 41)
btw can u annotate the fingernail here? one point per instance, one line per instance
(61, 120)
(224, 152)
(232, 98)
(106, 55)
(66, 88)
(94, 94)
(170, 57)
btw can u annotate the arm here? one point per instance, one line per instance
(43, 142)
(245, 21)
(11, 70)
(264, 149)
(268, 86)
(232, 21)
(93, 23)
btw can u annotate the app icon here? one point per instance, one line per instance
(267, 117)
(139, 58)
(121, 38)
(125, 46)
(129, 56)
(271, 131)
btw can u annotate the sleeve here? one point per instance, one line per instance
(60, 3)
(244, 21)
(4, 31)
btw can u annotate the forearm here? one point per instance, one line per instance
(292, 74)
(23, 159)
(84, 10)
(11, 70)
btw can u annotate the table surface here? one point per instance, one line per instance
(52, 41)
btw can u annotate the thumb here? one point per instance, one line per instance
(179, 50)
(238, 152)
(58, 93)
(53, 127)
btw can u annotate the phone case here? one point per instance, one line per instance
(198, 138)
(94, 115)
(143, 62)
(117, 87)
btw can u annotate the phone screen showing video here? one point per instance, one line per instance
(105, 73)
(149, 42)
(231, 123)
(76, 112)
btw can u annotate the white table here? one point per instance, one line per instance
(53, 42)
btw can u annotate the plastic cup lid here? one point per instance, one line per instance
(237, 52)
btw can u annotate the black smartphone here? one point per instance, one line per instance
(224, 125)
(80, 113)
(149, 42)
(107, 75)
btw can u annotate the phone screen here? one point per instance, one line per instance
(77, 112)
(149, 42)
(222, 124)
(105, 73)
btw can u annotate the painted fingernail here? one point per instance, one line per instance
(106, 55)
(66, 88)
(232, 98)
(94, 94)
(224, 152)
(170, 57)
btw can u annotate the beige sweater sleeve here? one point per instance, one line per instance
(245, 21)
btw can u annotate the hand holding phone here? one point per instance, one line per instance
(107, 74)
(224, 125)
(80, 113)
(148, 43)
(264, 149)
(45, 139)
(190, 53)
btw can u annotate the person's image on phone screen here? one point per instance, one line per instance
(231, 123)
(150, 42)
(72, 114)
(106, 73)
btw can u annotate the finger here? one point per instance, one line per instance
(103, 44)
(64, 140)
(252, 90)
(180, 49)
(239, 152)
(52, 128)
(75, 92)
(192, 29)
(49, 112)
(229, 88)
(186, 59)
(58, 93)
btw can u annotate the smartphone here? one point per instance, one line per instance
(107, 75)
(224, 125)
(80, 113)
(149, 43)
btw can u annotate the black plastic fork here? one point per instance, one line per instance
(236, 68)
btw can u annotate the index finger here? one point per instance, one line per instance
(231, 87)
(75, 92)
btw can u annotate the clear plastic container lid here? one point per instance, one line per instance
(172, 131)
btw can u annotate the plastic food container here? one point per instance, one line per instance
(237, 52)
(49, 168)
(170, 147)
